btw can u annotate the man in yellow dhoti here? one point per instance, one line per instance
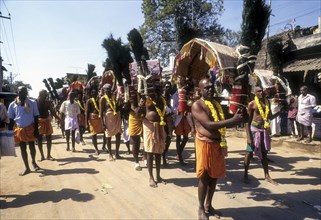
(24, 113)
(211, 147)
(111, 119)
(135, 126)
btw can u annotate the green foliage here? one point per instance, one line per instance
(231, 38)
(16, 84)
(169, 24)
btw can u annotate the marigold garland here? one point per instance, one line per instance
(80, 105)
(112, 103)
(95, 104)
(216, 118)
(161, 113)
(263, 114)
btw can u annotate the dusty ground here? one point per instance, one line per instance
(81, 185)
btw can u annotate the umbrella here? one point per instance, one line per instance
(198, 56)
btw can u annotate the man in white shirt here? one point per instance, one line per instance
(306, 103)
(69, 110)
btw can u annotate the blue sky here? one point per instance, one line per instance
(50, 38)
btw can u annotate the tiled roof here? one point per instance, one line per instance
(263, 59)
(302, 65)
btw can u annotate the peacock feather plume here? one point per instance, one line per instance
(119, 56)
(275, 50)
(136, 43)
(140, 52)
(255, 16)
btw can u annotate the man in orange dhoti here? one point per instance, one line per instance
(93, 119)
(111, 119)
(23, 113)
(154, 132)
(44, 124)
(211, 145)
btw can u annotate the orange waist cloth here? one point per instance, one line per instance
(209, 158)
(113, 123)
(24, 134)
(154, 137)
(183, 127)
(135, 124)
(95, 124)
(44, 126)
(82, 120)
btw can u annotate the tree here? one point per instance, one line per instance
(90, 71)
(17, 84)
(231, 38)
(169, 24)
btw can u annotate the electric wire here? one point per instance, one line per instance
(6, 7)
(6, 47)
(14, 49)
(290, 19)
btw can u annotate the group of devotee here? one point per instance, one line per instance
(153, 117)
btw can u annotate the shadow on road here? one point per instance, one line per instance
(43, 197)
(45, 172)
(68, 160)
(183, 182)
(263, 213)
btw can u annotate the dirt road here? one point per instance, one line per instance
(81, 185)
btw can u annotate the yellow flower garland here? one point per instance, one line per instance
(263, 114)
(159, 112)
(216, 118)
(80, 105)
(111, 104)
(95, 104)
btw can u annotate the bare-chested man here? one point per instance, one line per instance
(153, 129)
(210, 145)
(135, 126)
(93, 119)
(44, 123)
(169, 127)
(258, 133)
(82, 116)
(111, 119)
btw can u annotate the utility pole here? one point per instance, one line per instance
(1, 70)
(267, 38)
